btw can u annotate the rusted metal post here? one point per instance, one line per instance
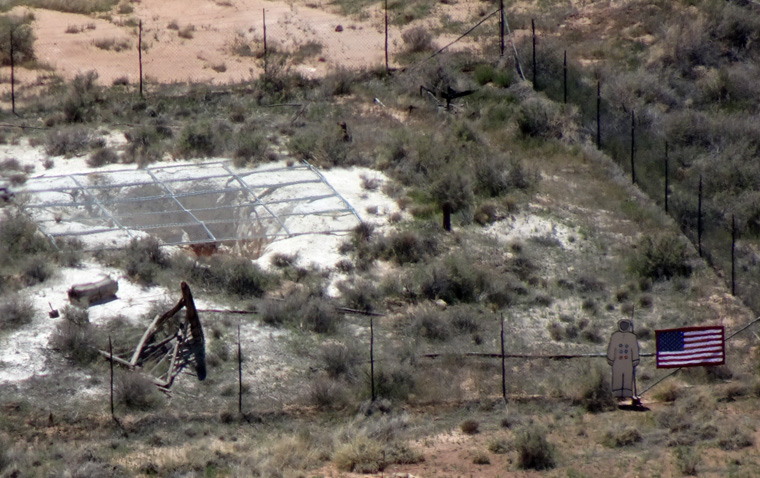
(139, 55)
(13, 77)
(733, 255)
(667, 186)
(564, 77)
(501, 27)
(598, 115)
(110, 352)
(266, 59)
(240, 374)
(533, 28)
(699, 218)
(503, 364)
(446, 216)
(372, 357)
(386, 37)
(633, 147)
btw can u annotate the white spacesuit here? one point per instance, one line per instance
(623, 356)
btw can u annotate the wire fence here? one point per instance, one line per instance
(226, 47)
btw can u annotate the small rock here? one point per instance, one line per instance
(441, 304)
(339, 28)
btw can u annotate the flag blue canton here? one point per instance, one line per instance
(671, 341)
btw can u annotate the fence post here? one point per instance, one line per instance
(266, 59)
(139, 55)
(598, 114)
(733, 255)
(501, 27)
(13, 78)
(699, 218)
(533, 28)
(564, 77)
(386, 37)
(372, 356)
(446, 207)
(503, 364)
(240, 374)
(633, 146)
(666, 176)
(110, 352)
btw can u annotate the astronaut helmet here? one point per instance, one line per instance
(625, 325)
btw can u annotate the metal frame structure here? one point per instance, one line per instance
(194, 203)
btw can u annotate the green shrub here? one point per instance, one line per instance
(360, 455)
(453, 279)
(101, 157)
(469, 427)
(338, 360)
(23, 39)
(328, 394)
(320, 316)
(661, 257)
(540, 117)
(15, 312)
(394, 382)
(146, 143)
(594, 392)
(199, 140)
(620, 436)
(417, 39)
(36, 269)
(533, 450)
(430, 323)
(237, 276)
(79, 102)
(136, 392)
(67, 141)
(76, 341)
(248, 147)
(404, 247)
(143, 259)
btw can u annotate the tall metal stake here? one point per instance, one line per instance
(266, 59)
(666, 176)
(372, 356)
(240, 374)
(13, 78)
(598, 115)
(139, 55)
(533, 28)
(503, 364)
(386, 37)
(564, 77)
(501, 27)
(633, 146)
(733, 255)
(699, 218)
(110, 352)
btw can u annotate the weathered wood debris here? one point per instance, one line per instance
(84, 295)
(169, 345)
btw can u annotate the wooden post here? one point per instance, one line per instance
(503, 364)
(240, 374)
(266, 59)
(110, 352)
(667, 186)
(533, 28)
(386, 37)
(372, 357)
(598, 115)
(564, 77)
(501, 27)
(139, 55)
(633, 146)
(733, 255)
(446, 216)
(699, 218)
(13, 77)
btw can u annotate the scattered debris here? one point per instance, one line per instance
(168, 346)
(92, 293)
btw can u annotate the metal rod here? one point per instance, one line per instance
(139, 56)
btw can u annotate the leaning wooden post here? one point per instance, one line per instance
(666, 176)
(266, 59)
(139, 55)
(501, 27)
(503, 364)
(533, 28)
(564, 77)
(733, 255)
(633, 146)
(372, 357)
(699, 218)
(446, 216)
(386, 37)
(240, 374)
(598, 115)
(13, 78)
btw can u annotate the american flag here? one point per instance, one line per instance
(690, 347)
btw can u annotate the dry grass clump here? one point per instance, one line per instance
(593, 391)
(68, 141)
(469, 427)
(15, 312)
(533, 450)
(362, 454)
(621, 436)
(136, 392)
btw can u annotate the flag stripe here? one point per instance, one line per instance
(690, 347)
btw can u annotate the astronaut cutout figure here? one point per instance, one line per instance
(623, 356)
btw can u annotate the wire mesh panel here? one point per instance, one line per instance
(187, 204)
